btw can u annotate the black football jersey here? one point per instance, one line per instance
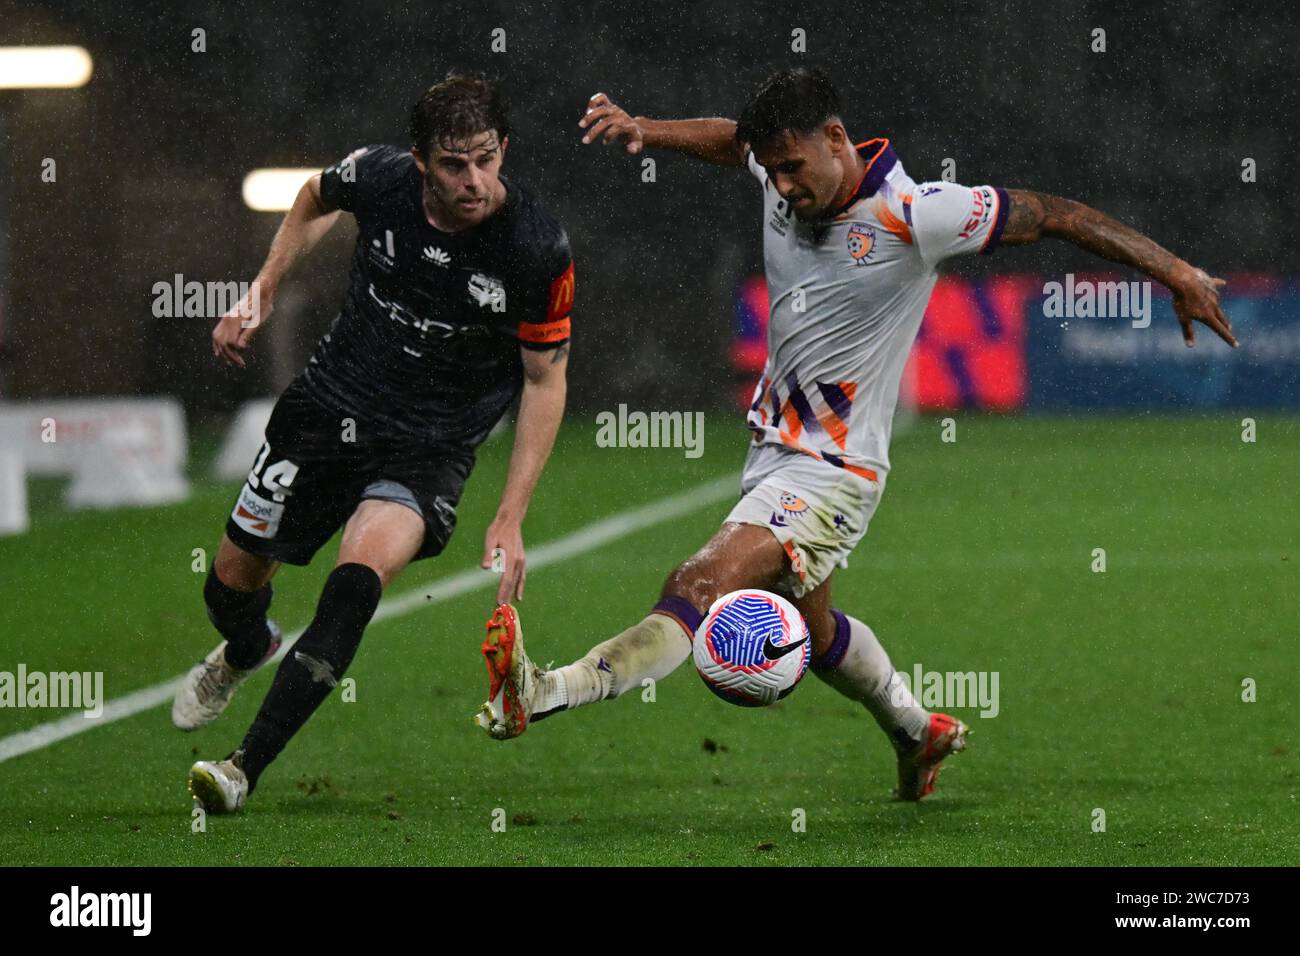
(427, 341)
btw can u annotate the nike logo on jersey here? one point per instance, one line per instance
(774, 652)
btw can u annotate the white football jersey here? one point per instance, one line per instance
(846, 297)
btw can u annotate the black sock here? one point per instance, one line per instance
(314, 665)
(240, 617)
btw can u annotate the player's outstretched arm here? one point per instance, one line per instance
(712, 140)
(541, 406)
(1196, 294)
(304, 225)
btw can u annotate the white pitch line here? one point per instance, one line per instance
(589, 538)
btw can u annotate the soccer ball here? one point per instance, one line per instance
(752, 648)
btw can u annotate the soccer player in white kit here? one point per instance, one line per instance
(851, 244)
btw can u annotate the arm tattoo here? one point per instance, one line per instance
(1035, 215)
(559, 353)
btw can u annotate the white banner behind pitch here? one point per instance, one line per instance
(118, 451)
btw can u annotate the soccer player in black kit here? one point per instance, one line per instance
(458, 302)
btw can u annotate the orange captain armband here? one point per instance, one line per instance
(544, 333)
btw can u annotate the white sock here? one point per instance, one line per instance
(865, 674)
(651, 649)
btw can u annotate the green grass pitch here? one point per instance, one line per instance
(1120, 691)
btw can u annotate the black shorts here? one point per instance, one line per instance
(309, 477)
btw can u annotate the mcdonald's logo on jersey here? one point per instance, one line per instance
(561, 295)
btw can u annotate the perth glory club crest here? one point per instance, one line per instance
(861, 240)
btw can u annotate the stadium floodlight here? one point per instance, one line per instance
(44, 67)
(32, 68)
(274, 189)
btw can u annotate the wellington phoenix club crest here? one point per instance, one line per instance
(861, 240)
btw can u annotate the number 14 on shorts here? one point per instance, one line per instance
(253, 512)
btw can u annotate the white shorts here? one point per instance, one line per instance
(817, 511)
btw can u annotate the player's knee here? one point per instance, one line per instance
(384, 571)
(237, 569)
(383, 554)
(228, 571)
(693, 581)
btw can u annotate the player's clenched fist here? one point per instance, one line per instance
(612, 122)
(238, 326)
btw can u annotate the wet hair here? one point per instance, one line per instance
(455, 110)
(795, 101)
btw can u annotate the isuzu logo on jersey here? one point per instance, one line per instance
(982, 208)
(861, 241)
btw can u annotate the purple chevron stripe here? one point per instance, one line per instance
(801, 406)
(839, 402)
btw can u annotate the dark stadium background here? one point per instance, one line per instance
(152, 152)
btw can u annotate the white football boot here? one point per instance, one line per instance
(220, 786)
(211, 683)
(513, 679)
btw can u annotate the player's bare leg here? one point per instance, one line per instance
(738, 556)
(379, 540)
(848, 656)
(382, 535)
(241, 570)
(237, 593)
